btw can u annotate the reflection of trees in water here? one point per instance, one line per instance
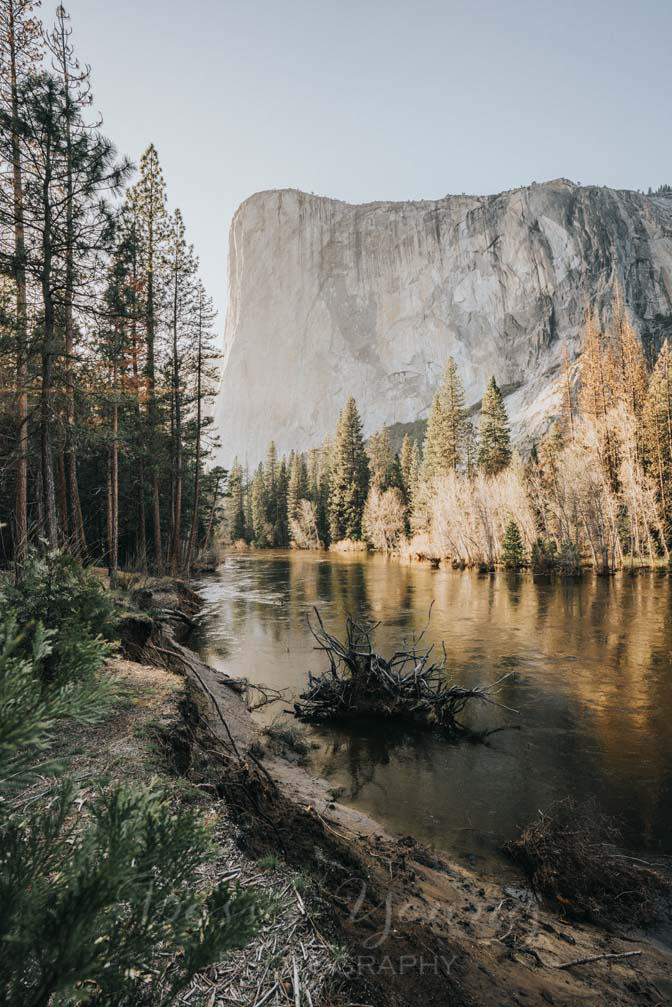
(363, 747)
(514, 586)
(619, 631)
(348, 590)
(592, 662)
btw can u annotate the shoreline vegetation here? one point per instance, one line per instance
(594, 492)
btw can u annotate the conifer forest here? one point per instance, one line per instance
(106, 327)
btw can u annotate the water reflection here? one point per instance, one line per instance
(591, 679)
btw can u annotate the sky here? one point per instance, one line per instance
(377, 99)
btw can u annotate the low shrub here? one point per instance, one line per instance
(33, 705)
(348, 545)
(569, 559)
(71, 606)
(543, 557)
(570, 853)
(92, 892)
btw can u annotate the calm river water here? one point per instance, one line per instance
(592, 663)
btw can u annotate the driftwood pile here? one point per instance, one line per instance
(361, 683)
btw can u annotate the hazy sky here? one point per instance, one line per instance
(378, 99)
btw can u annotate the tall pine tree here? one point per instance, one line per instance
(20, 51)
(148, 197)
(381, 459)
(297, 489)
(235, 504)
(445, 437)
(495, 439)
(349, 476)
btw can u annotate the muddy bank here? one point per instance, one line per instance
(415, 927)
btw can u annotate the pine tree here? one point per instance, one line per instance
(204, 380)
(549, 450)
(20, 51)
(631, 373)
(95, 875)
(103, 371)
(247, 504)
(75, 84)
(235, 511)
(495, 440)
(127, 230)
(513, 549)
(184, 297)
(54, 223)
(281, 536)
(323, 489)
(114, 350)
(470, 449)
(409, 465)
(313, 475)
(148, 198)
(379, 452)
(76, 900)
(443, 450)
(271, 473)
(213, 480)
(349, 476)
(261, 527)
(297, 488)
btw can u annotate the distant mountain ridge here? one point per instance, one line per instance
(329, 299)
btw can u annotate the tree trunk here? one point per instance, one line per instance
(151, 380)
(62, 498)
(113, 493)
(177, 504)
(211, 519)
(48, 487)
(78, 542)
(21, 512)
(141, 537)
(197, 472)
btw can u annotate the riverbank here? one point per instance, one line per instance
(420, 551)
(412, 925)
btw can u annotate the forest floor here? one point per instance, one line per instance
(361, 917)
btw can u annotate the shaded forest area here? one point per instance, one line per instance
(106, 330)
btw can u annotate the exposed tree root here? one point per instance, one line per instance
(360, 683)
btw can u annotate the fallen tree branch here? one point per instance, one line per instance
(597, 958)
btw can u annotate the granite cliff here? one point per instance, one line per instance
(329, 299)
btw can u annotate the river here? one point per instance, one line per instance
(592, 683)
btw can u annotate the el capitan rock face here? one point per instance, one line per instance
(328, 299)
